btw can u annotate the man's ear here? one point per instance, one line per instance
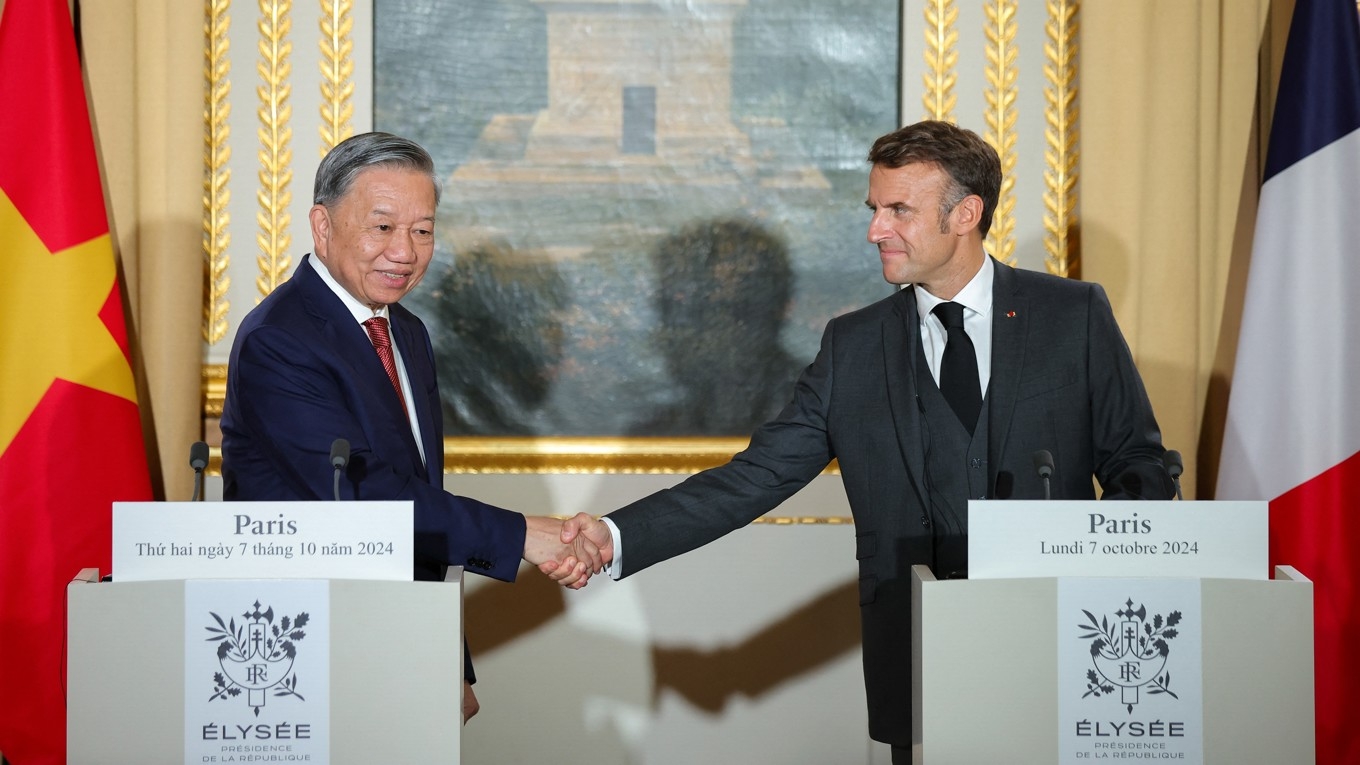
(967, 214)
(320, 219)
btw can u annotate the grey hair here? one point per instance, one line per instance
(336, 173)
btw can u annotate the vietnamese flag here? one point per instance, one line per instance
(1293, 430)
(70, 434)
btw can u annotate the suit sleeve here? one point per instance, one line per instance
(783, 456)
(290, 402)
(1126, 442)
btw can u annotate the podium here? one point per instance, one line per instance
(389, 689)
(988, 662)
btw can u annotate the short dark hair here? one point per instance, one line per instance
(342, 164)
(971, 163)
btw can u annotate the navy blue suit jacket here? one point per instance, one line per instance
(302, 374)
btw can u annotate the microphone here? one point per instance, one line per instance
(1005, 485)
(198, 459)
(1043, 465)
(339, 459)
(1175, 466)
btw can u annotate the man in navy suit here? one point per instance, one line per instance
(918, 427)
(332, 354)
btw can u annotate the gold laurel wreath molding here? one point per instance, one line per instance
(941, 58)
(216, 174)
(337, 73)
(276, 135)
(1002, 94)
(1061, 253)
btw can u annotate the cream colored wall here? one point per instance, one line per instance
(1171, 98)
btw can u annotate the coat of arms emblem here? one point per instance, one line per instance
(1129, 653)
(256, 655)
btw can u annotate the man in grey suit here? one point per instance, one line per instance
(941, 393)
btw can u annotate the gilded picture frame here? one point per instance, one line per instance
(650, 210)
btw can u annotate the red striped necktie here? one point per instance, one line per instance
(382, 343)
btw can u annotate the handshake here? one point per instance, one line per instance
(569, 552)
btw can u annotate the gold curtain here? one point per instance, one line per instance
(144, 69)
(1173, 108)
(1174, 111)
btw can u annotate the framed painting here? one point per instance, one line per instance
(650, 209)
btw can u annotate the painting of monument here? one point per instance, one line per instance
(650, 207)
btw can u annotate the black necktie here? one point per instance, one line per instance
(958, 367)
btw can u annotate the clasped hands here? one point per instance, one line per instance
(569, 552)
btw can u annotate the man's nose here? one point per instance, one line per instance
(878, 230)
(401, 248)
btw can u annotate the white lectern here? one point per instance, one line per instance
(396, 681)
(986, 657)
(148, 684)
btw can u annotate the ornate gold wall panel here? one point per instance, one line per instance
(990, 94)
(1002, 58)
(1061, 250)
(941, 59)
(275, 114)
(337, 73)
(216, 173)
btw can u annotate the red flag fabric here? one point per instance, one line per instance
(1293, 428)
(70, 434)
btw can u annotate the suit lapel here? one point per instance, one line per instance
(337, 325)
(900, 337)
(351, 342)
(421, 376)
(1010, 329)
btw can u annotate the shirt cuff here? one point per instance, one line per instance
(615, 567)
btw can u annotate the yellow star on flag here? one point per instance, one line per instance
(55, 333)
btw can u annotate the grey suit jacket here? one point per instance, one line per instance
(1062, 379)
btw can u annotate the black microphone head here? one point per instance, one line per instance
(198, 455)
(1005, 485)
(339, 453)
(1043, 463)
(1173, 463)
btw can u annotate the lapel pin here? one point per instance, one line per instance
(1010, 314)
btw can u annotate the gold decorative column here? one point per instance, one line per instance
(276, 135)
(1002, 92)
(941, 59)
(1061, 242)
(216, 174)
(337, 73)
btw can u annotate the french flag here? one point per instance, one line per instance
(1293, 428)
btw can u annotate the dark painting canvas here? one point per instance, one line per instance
(650, 209)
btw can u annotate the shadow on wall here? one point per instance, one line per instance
(810, 637)
(684, 340)
(814, 635)
(500, 337)
(723, 290)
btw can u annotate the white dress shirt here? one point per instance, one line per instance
(976, 299)
(363, 313)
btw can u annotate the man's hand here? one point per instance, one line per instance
(569, 563)
(592, 529)
(470, 704)
(583, 529)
